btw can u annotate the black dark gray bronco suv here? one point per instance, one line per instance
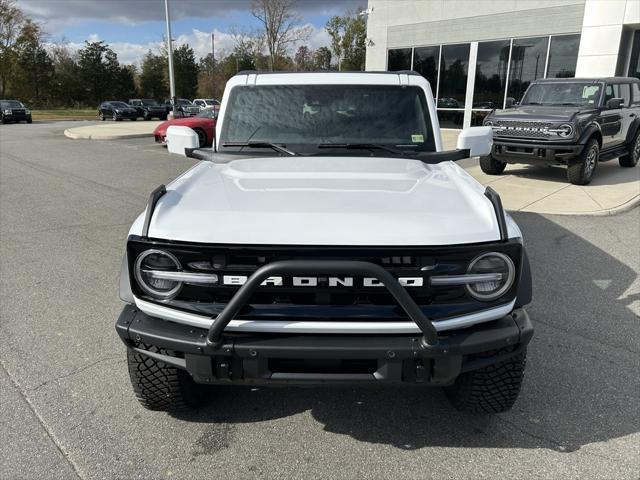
(573, 122)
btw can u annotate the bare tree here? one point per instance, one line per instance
(281, 26)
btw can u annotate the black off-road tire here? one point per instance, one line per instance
(30, 120)
(631, 158)
(159, 386)
(581, 169)
(492, 389)
(134, 119)
(202, 137)
(491, 166)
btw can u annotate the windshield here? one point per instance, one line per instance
(12, 104)
(183, 101)
(321, 114)
(120, 105)
(211, 102)
(565, 93)
(149, 102)
(208, 113)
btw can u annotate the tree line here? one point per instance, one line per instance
(52, 75)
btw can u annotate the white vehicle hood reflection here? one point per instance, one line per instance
(324, 201)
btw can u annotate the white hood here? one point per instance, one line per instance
(369, 201)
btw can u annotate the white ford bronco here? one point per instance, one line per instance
(326, 238)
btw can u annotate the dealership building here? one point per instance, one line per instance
(477, 54)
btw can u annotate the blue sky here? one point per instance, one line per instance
(132, 27)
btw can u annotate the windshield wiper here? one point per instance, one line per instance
(257, 144)
(362, 146)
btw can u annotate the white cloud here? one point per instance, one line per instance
(57, 15)
(199, 41)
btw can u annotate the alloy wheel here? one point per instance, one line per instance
(590, 161)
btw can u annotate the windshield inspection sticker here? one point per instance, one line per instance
(417, 138)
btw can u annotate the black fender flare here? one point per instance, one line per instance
(633, 129)
(592, 129)
(525, 286)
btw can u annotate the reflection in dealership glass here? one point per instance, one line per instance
(563, 93)
(528, 56)
(310, 115)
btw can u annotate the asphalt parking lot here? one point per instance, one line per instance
(68, 411)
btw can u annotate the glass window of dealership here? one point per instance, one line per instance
(471, 79)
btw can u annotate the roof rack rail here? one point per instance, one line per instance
(269, 72)
(495, 200)
(151, 206)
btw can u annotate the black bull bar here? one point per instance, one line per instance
(322, 267)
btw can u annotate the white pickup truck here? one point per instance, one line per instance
(326, 238)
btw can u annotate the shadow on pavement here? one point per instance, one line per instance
(581, 383)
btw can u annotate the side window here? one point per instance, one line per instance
(636, 94)
(622, 90)
(608, 94)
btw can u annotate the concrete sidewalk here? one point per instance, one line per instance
(113, 130)
(545, 189)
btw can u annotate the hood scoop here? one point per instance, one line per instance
(326, 174)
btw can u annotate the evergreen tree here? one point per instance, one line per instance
(35, 66)
(186, 72)
(153, 83)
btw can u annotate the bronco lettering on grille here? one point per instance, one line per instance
(237, 280)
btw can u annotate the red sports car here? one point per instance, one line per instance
(203, 124)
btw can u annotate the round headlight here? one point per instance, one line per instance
(565, 130)
(496, 286)
(147, 264)
(487, 123)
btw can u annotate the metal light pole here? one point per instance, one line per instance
(172, 83)
(213, 63)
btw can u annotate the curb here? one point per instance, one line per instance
(81, 136)
(610, 212)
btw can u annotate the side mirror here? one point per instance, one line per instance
(615, 103)
(179, 139)
(478, 140)
(510, 102)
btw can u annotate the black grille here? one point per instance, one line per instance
(326, 301)
(523, 129)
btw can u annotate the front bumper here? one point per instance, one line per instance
(17, 117)
(534, 152)
(155, 113)
(290, 358)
